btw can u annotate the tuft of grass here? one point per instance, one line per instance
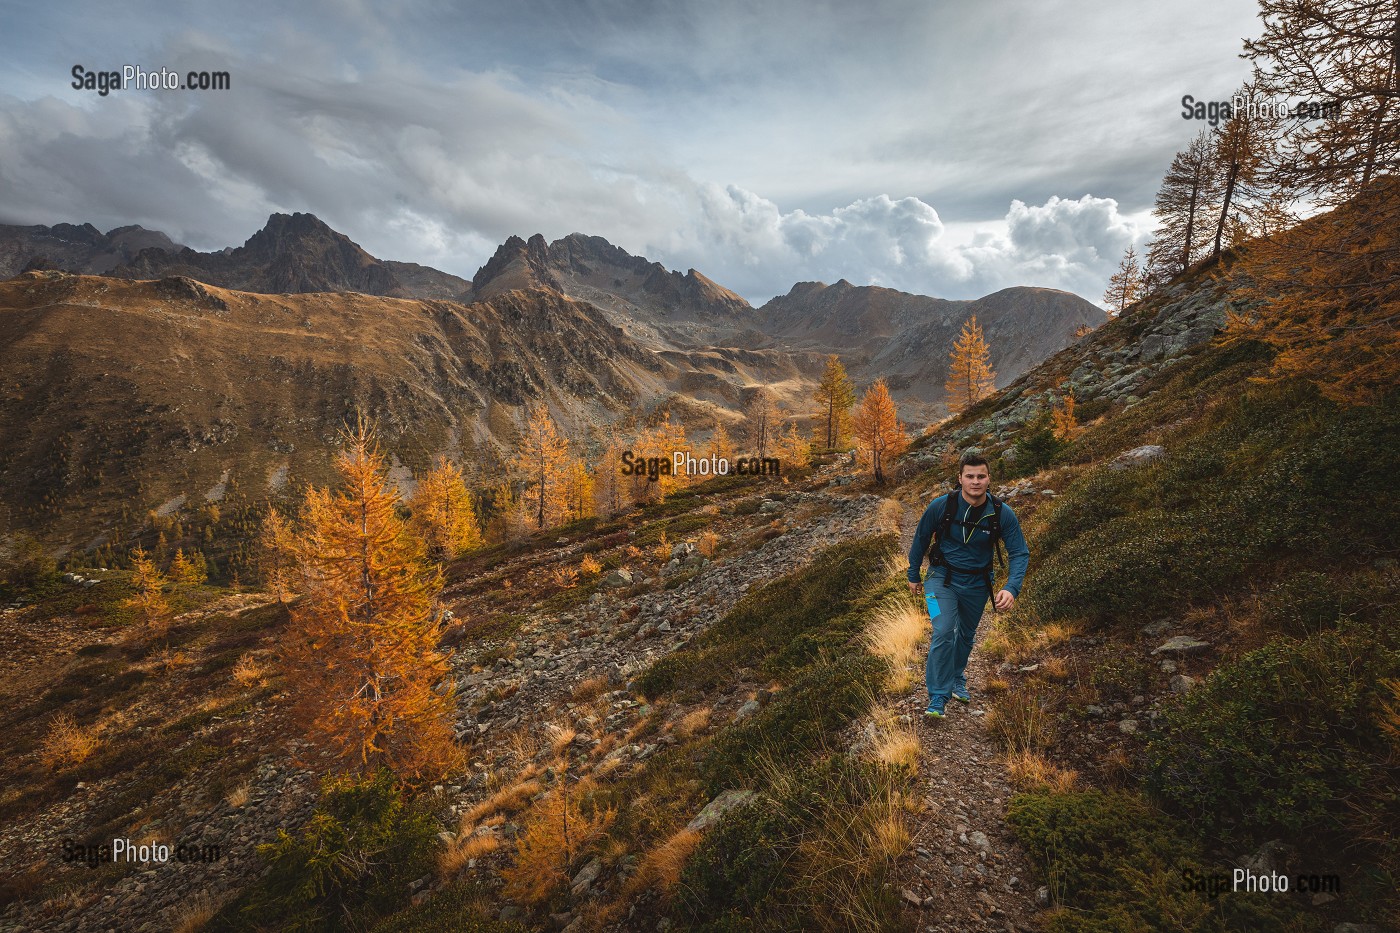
(660, 869)
(1031, 771)
(1022, 720)
(195, 913)
(894, 633)
(465, 846)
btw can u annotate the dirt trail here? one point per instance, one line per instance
(964, 869)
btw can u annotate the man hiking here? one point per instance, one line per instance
(963, 527)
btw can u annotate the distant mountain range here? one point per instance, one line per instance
(246, 361)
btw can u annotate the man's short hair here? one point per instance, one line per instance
(972, 459)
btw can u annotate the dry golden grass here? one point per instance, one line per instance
(240, 795)
(846, 850)
(1021, 720)
(589, 689)
(897, 748)
(559, 736)
(995, 686)
(895, 632)
(1057, 633)
(1029, 771)
(1118, 768)
(65, 899)
(248, 672)
(194, 913)
(694, 722)
(523, 745)
(466, 846)
(169, 661)
(888, 515)
(556, 830)
(895, 744)
(68, 743)
(505, 800)
(660, 869)
(1055, 669)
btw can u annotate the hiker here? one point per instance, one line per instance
(962, 527)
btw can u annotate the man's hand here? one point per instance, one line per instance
(916, 588)
(1004, 601)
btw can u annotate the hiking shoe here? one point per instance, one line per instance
(935, 709)
(960, 694)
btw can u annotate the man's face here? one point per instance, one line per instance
(975, 480)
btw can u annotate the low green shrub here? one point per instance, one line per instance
(769, 864)
(350, 865)
(771, 620)
(1307, 602)
(1121, 676)
(797, 723)
(1279, 475)
(1287, 739)
(463, 907)
(1115, 863)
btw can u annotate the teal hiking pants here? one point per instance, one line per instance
(960, 608)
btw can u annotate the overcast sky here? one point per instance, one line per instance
(945, 148)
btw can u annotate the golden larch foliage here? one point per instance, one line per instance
(544, 454)
(1064, 423)
(661, 441)
(442, 513)
(833, 398)
(367, 681)
(970, 376)
(1326, 293)
(556, 831)
(578, 491)
(721, 446)
(277, 556)
(880, 434)
(148, 602)
(792, 449)
(610, 487)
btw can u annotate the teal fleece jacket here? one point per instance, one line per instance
(970, 549)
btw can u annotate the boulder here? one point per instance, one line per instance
(619, 577)
(1138, 456)
(717, 808)
(1182, 644)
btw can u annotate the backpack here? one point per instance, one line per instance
(945, 527)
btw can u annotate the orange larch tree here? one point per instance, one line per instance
(879, 432)
(544, 454)
(277, 556)
(442, 513)
(368, 683)
(970, 376)
(148, 602)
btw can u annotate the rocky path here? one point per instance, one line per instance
(964, 869)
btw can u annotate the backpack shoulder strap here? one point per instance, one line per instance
(950, 506)
(996, 530)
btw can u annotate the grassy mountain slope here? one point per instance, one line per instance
(1208, 633)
